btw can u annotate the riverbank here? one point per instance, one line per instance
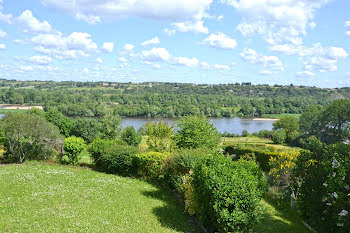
(19, 106)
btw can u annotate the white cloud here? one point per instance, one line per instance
(180, 10)
(5, 18)
(85, 70)
(169, 32)
(108, 47)
(347, 26)
(40, 60)
(89, 19)
(26, 68)
(221, 67)
(65, 47)
(265, 72)
(277, 21)
(31, 24)
(188, 26)
(220, 17)
(253, 57)
(220, 41)
(128, 47)
(155, 54)
(2, 46)
(305, 74)
(154, 40)
(2, 34)
(189, 62)
(122, 59)
(99, 60)
(205, 65)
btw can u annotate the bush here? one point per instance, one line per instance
(160, 136)
(149, 164)
(265, 134)
(29, 136)
(98, 147)
(279, 136)
(227, 194)
(131, 137)
(119, 159)
(262, 157)
(322, 178)
(195, 132)
(73, 146)
(245, 133)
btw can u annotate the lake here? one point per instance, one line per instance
(231, 125)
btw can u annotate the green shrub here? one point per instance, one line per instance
(322, 178)
(279, 136)
(261, 157)
(131, 137)
(245, 133)
(119, 159)
(98, 147)
(73, 146)
(196, 132)
(160, 136)
(149, 164)
(227, 194)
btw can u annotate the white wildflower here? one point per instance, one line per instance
(335, 195)
(324, 199)
(343, 213)
(340, 224)
(347, 187)
(335, 163)
(334, 174)
(329, 204)
(325, 184)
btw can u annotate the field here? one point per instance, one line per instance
(277, 116)
(39, 197)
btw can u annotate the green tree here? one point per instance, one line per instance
(160, 136)
(131, 137)
(279, 136)
(64, 123)
(73, 146)
(309, 119)
(196, 132)
(289, 124)
(29, 136)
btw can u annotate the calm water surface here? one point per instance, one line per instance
(231, 125)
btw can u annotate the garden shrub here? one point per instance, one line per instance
(322, 178)
(131, 137)
(119, 159)
(98, 147)
(227, 194)
(149, 164)
(262, 157)
(73, 146)
(279, 136)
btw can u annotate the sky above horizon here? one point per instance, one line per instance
(303, 42)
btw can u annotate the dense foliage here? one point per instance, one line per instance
(73, 146)
(195, 132)
(29, 136)
(322, 178)
(130, 136)
(167, 99)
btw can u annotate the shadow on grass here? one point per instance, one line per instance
(171, 214)
(279, 219)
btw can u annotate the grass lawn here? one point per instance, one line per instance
(39, 197)
(278, 220)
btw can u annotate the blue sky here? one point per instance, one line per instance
(304, 42)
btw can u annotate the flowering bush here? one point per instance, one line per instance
(322, 179)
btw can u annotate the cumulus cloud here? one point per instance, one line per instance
(347, 26)
(154, 40)
(188, 26)
(184, 61)
(65, 47)
(277, 21)
(205, 65)
(108, 47)
(2, 46)
(2, 34)
(40, 60)
(220, 41)
(305, 74)
(122, 59)
(89, 19)
(221, 67)
(128, 47)
(31, 24)
(155, 54)
(253, 57)
(99, 60)
(180, 10)
(265, 72)
(5, 18)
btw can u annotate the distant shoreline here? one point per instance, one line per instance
(19, 106)
(265, 119)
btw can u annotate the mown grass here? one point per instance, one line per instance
(39, 197)
(278, 219)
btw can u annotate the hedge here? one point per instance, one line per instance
(262, 157)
